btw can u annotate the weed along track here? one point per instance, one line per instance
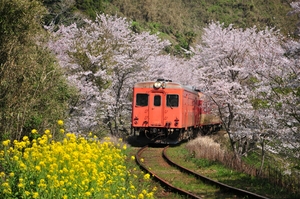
(183, 181)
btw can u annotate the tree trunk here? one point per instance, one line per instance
(262, 157)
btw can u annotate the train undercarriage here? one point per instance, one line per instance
(172, 136)
(163, 135)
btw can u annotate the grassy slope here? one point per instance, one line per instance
(177, 17)
(181, 21)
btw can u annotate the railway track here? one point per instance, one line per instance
(170, 175)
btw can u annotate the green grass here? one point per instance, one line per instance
(217, 171)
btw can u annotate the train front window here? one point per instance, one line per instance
(141, 99)
(157, 100)
(172, 100)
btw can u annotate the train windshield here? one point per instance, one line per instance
(172, 100)
(157, 100)
(141, 99)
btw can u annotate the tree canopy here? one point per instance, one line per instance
(33, 92)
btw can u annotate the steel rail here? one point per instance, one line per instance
(162, 181)
(223, 186)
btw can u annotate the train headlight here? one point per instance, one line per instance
(157, 84)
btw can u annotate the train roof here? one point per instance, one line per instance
(168, 83)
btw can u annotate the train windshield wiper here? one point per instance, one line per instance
(169, 104)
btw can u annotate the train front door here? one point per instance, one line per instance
(156, 109)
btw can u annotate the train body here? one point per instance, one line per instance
(167, 112)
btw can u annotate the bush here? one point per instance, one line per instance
(33, 90)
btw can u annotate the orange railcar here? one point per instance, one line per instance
(167, 112)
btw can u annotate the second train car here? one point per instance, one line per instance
(167, 112)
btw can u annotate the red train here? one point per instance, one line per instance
(167, 112)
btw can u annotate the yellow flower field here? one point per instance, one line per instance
(74, 167)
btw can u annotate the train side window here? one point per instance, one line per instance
(141, 99)
(172, 100)
(157, 100)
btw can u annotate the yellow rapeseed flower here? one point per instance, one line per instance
(154, 189)
(21, 185)
(147, 176)
(141, 196)
(60, 122)
(2, 174)
(5, 185)
(42, 164)
(38, 168)
(88, 193)
(150, 195)
(6, 142)
(35, 195)
(61, 183)
(15, 158)
(72, 164)
(34, 131)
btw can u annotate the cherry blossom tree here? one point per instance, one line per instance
(103, 60)
(234, 65)
(287, 99)
(279, 109)
(174, 68)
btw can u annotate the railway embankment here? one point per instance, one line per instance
(209, 158)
